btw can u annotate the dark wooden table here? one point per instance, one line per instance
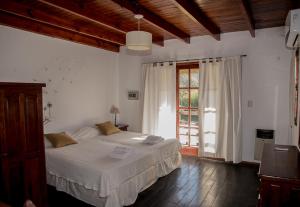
(280, 176)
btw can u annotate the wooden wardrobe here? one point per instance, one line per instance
(22, 151)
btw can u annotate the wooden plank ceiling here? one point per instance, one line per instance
(104, 23)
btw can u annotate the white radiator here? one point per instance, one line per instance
(262, 136)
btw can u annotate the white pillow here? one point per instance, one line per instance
(85, 133)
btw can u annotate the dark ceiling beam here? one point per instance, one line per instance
(29, 10)
(26, 24)
(77, 9)
(153, 19)
(247, 14)
(192, 10)
(158, 40)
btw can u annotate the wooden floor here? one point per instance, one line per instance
(198, 182)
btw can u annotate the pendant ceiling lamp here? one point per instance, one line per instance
(138, 40)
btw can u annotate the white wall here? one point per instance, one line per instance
(81, 80)
(130, 78)
(265, 79)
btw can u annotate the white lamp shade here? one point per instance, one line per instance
(138, 40)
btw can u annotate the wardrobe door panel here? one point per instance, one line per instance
(34, 180)
(13, 123)
(13, 171)
(3, 151)
(33, 120)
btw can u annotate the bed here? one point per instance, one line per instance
(86, 172)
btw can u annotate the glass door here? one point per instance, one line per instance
(187, 92)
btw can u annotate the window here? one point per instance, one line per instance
(187, 95)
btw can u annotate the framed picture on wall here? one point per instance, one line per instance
(133, 95)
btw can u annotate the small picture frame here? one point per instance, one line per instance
(133, 95)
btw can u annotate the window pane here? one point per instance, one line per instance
(194, 132)
(209, 142)
(209, 138)
(194, 98)
(183, 131)
(183, 139)
(194, 118)
(183, 117)
(209, 120)
(183, 78)
(183, 97)
(194, 141)
(194, 78)
(208, 148)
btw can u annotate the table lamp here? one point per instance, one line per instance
(114, 110)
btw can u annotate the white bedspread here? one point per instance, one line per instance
(88, 164)
(163, 151)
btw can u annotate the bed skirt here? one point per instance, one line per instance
(127, 192)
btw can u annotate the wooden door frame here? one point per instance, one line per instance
(187, 150)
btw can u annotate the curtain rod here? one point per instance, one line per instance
(189, 60)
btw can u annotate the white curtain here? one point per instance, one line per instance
(292, 96)
(159, 112)
(220, 109)
(294, 101)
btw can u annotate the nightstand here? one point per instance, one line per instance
(123, 127)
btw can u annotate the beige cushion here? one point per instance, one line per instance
(108, 128)
(60, 139)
